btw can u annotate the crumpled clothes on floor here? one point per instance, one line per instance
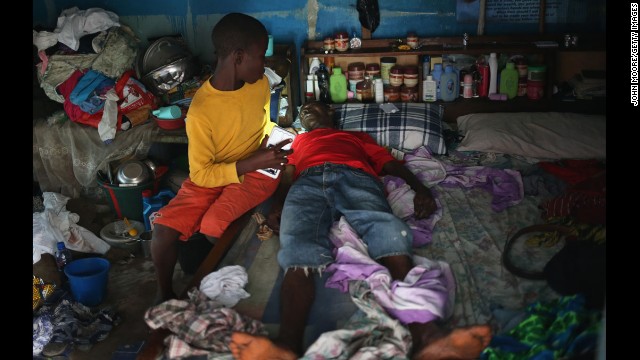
(369, 334)
(200, 326)
(72, 325)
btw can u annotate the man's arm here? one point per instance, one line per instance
(424, 203)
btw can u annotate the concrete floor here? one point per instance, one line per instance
(131, 287)
(130, 291)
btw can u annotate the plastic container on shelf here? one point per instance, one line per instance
(329, 44)
(386, 63)
(342, 41)
(323, 84)
(409, 93)
(493, 73)
(429, 89)
(373, 70)
(410, 76)
(356, 71)
(536, 82)
(412, 40)
(535, 89)
(378, 90)
(396, 76)
(448, 86)
(338, 86)
(436, 74)
(467, 86)
(484, 79)
(391, 93)
(426, 66)
(537, 73)
(364, 90)
(314, 65)
(509, 81)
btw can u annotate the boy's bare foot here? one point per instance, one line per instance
(249, 347)
(460, 344)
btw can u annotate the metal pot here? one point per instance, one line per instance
(133, 172)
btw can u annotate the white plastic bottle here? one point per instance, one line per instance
(429, 89)
(314, 65)
(378, 90)
(493, 73)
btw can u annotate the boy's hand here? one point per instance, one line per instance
(272, 157)
(424, 203)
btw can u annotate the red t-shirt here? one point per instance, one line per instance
(356, 149)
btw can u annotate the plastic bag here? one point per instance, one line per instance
(369, 14)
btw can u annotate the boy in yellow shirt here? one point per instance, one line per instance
(227, 126)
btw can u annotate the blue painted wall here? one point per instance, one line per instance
(294, 21)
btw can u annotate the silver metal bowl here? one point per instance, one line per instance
(133, 172)
(167, 77)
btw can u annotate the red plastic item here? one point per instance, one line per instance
(171, 124)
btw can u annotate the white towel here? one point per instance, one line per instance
(226, 285)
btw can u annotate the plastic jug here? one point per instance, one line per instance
(338, 86)
(509, 81)
(151, 204)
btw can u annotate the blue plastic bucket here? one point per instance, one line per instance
(88, 279)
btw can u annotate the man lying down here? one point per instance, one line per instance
(336, 177)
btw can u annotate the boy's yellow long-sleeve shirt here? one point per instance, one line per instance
(224, 127)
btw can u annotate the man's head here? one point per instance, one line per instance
(316, 114)
(243, 38)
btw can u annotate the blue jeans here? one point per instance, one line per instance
(318, 198)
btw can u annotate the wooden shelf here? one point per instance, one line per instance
(372, 50)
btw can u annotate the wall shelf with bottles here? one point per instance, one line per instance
(538, 48)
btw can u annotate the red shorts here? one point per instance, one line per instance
(211, 210)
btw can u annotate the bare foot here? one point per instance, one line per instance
(249, 347)
(460, 344)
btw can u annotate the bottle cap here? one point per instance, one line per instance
(60, 245)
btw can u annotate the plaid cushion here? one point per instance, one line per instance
(415, 125)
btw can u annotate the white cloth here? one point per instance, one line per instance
(56, 224)
(74, 23)
(44, 39)
(226, 285)
(108, 124)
